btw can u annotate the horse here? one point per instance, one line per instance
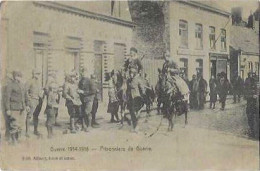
(147, 97)
(160, 90)
(121, 86)
(169, 95)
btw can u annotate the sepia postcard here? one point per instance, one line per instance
(129, 85)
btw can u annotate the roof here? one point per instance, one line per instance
(245, 39)
(84, 13)
(209, 6)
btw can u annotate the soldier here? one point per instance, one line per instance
(53, 98)
(8, 80)
(52, 80)
(95, 102)
(134, 93)
(33, 99)
(133, 62)
(15, 105)
(169, 64)
(88, 94)
(73, 102)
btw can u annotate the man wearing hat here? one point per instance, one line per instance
(73, 102)
(169, 64)
(14, 105)
(133, 62)
(95, 101)
(87, 85)
(33, 99)
(135, 90)
(52, 80)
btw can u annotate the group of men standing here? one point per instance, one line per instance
(23, 102)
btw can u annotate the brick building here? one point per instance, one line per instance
(198, 35)
(64, 36)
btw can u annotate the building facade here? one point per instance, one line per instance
(63, 36)
(244, 52)
(199, 37)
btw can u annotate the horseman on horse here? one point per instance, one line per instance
(172, 91)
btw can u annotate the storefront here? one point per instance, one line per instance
(218, 63)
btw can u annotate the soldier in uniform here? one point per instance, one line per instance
(133, 62)
(134, 92)
(73, 102)
(33, 99)
(88, 94)
(52, 80)
(53, 98)
(95, 102)
(15, 105)
(169, 64)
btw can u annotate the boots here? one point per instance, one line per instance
(72, 126)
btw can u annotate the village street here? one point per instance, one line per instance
(221, 136)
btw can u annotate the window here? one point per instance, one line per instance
(212, 38)
(183, 33)
(73, 47)
(198, 36)
(199, 66)
(41, 44)
(223, 40)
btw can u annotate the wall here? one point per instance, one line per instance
(195, 15)
(25, 18)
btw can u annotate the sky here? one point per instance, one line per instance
(247, 5)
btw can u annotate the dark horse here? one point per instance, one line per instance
(171, 99)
